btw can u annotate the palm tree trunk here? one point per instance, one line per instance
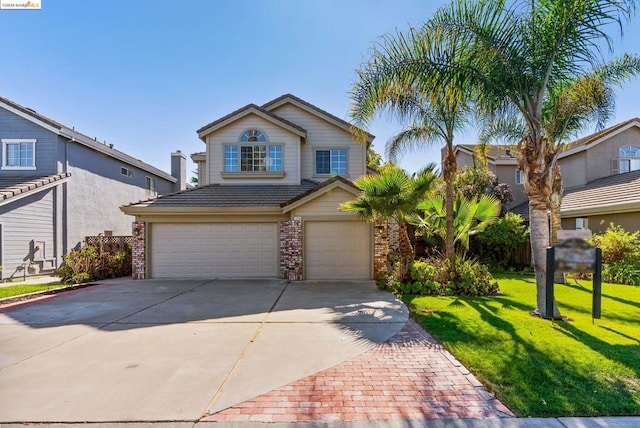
(537, 166)
(406, 251)
(449, 172)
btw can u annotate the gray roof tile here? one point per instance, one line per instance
(11, 186)
(217, 195)
(603, 192)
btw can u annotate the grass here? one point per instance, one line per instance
(537, 367)
(17, 290)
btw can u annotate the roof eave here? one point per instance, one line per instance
(203, 132)
(623, 207)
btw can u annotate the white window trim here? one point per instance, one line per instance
(129, 173)
(519, 180)
(330, 149)
(6, 141)
(582, 223)
(231, 174)
(148, 179)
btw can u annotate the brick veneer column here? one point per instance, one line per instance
(138, 269)
(380, 247)
(291, 249)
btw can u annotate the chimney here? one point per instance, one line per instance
(179, 170)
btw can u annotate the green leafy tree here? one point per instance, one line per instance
(374, 159)
(392, 194)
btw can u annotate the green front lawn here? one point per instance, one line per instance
(541, 368)
(16, 290)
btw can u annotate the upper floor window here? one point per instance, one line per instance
(519, 177)
(251, 156)
(126, 172)
(18, 153)
(629, 158)
(331, 162)
(150, 185)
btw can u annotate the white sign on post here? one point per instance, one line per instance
(571, 234)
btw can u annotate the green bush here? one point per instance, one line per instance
(436, 277)
(621, 273)
(87, 264)
(497, 244)
(618, 245)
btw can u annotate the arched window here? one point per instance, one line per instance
(629, 159)
(253, 136)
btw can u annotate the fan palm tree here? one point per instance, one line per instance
(514, 55)
(469, 217)
(392, 194)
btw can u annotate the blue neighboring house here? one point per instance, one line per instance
(58, 186)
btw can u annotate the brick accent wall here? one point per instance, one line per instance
(138, 270)
(380, 247)
(291, 250)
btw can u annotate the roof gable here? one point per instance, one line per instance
(596, 138)
(316, 111)
(319, 190)
(248, 110)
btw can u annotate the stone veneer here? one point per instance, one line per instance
(291, 249)
(138, 250)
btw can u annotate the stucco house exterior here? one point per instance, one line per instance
(600, 173)
(58, 186)
(271, 180)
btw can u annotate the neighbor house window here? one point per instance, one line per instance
(331, 162)
(252, 154)
(629, 159)
(18, 154)
(582, 223)
(519, 177)
(126, 172)
(150, 185)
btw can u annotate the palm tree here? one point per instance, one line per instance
(514, 55)
(470, 216)
(431, 118)
(392, 194)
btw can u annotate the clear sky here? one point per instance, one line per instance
(144, 75)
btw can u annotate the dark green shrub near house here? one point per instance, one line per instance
(618, 245)
(498, 243)
(436, 277)
(88, 264)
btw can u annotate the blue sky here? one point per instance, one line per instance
(145, 74)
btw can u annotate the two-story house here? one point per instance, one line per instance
(600, 174)
(58, 186)
(271, 181)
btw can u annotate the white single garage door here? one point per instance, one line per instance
(214, 250)
(337, 250)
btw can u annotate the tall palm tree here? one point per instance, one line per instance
(514, 54)
(431, 119)
(392, 194)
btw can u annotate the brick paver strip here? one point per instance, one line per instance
(410, 376)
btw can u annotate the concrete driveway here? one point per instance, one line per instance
(177, 350)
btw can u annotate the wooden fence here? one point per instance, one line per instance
(109, 244)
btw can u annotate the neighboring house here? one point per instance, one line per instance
(270, 183)
(58, 186)
(600, 174)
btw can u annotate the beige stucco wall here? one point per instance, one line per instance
(507, 174)
(231, 134)
(574, 170)
(324, 135)
(599, 223)
(326, 205)
(599, 157)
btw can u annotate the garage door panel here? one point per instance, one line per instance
(214, 250)
(337, 250)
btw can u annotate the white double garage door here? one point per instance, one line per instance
(332, 250)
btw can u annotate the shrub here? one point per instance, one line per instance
(621, 273)
(87, 264)
(497, 244)
(435, 276)
(618, 245)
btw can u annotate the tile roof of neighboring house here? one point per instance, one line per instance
(13, 186)
(216, 195)
(343, 122)
(596, 135)
(522, 209)
(248, 107)
(85, 140)
(608, 194)
(494, 152)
